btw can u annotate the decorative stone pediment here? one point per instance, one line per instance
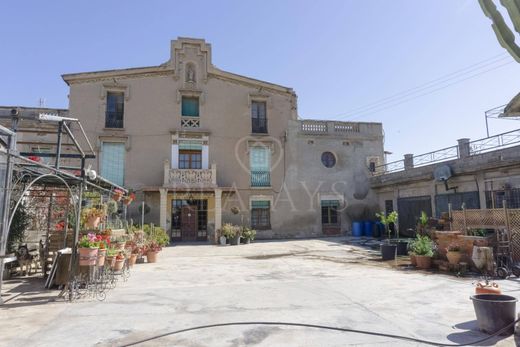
(190, 59)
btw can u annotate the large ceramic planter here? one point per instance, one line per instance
(118, 264)
(87, 256)
(222, 240)
(423, 261)
(247, 241)
(453, 257)
(152, 256)
(388, 252)
(132, 260)
(101, 257)
(93, 222)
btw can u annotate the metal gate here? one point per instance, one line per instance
(470, 199)
(409, 210)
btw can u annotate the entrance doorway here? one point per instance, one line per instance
(189, 220)
(189, 223)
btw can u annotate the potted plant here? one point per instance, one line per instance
(453, 253)
(152, 250)
(92, 217)
(127, 200)
(88, 250)
(248, 234)
(111, 257)
(231, 233)
(423, 248)
(388, 250)
(118, 262)
(423, 223)
(133, 256)
(411, 252)
(119, 242)
(222, 238)
(103, 242)
(117, 194)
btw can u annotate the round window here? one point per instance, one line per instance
(328, 159)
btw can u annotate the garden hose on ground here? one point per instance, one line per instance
(365, 332)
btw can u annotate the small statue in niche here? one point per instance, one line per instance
(190, 73)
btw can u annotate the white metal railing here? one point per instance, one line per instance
(491, 143)
(436, 156)
(190, 178)
(488, 144)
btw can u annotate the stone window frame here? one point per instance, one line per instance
(116, 88)
(259, 96)
(269, 198)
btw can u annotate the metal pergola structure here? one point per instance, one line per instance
(20, 172)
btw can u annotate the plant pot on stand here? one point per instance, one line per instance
(88, 256)
(453, 257)
(101, 257)
(93, 222)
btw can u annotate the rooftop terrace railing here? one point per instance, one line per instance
(488, 144)
(464, 149)
(324, 127)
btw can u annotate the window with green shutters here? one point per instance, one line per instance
(329, 212)
(190, 106)
(113, 162)
(261, 214)
(260, 165)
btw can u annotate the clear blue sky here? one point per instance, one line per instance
(337, 55)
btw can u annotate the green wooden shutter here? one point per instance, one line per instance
(113, 162)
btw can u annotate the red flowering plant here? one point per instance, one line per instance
(60, 226)
(120, 256)
(117, 194)
(104, 241)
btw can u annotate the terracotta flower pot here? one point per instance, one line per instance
(93, 222)
(120, 246)
(413, 260)
(118, 264)
(117, 197)
(87, 256)
(132, 260)
(423, 261)
(110, 261)
(152, 256)
(454, 257)
(101, 257)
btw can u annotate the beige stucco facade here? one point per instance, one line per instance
(154, 132)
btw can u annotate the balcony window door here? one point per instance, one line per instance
(260, 164)
(258, 117)
(190, 159)
(115, 110)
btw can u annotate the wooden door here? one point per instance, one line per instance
(189, 223)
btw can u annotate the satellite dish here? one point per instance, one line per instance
(442, 173)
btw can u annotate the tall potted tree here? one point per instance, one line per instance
(388, 249)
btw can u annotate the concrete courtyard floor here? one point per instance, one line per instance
(320, 281)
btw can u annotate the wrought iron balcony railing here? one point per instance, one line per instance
(260, 179)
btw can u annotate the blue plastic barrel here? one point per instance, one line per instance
(357, 229)
(367, 230)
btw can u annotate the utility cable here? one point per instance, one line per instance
(427, 85)
(397, 102)
(326, 327)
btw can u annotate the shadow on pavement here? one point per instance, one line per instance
(472, 334)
